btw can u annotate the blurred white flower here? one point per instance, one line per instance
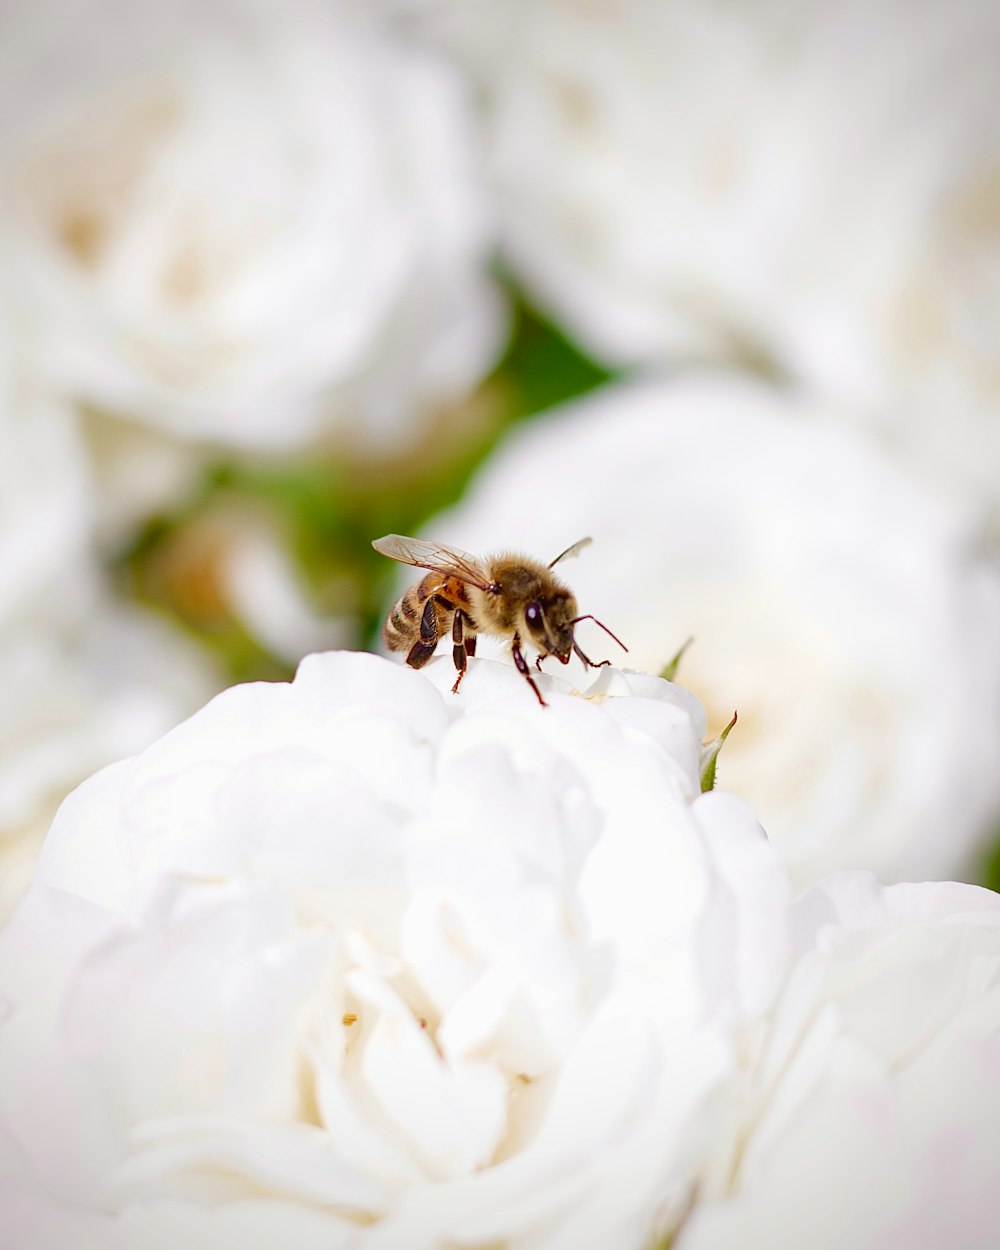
(46, 501)
(136, 472)
(245, 224)
(833, 603)
(358, 963)
(84, 681)
(816, 185)
(234, 563)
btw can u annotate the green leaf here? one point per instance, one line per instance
(709, 755)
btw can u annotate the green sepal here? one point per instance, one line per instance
(709, 755)
(669, 670)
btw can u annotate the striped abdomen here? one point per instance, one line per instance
(402, 628)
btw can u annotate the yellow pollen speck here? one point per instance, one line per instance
(350, 1017)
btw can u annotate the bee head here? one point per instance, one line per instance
(548, 624)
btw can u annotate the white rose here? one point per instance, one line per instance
(355, 962)
(84, 680)
(866, 1113)
(358, 963)
(811, 184)
(245, 224)
(834, 604)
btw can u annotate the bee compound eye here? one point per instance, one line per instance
(533, 614)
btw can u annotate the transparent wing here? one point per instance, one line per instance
(436, 556)
(571, 551)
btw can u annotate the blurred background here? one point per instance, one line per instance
(716, 283)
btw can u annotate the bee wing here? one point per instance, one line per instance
(435, 556)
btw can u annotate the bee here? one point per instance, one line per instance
(508, 596)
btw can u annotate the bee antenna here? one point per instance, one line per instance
(577, 547)
(590, 617)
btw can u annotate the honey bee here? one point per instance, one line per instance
(508, 596)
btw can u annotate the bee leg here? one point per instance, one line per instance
(470, 645)
(429, 623)
(422, 651)
(458, 651)
(522, 668)
(587, 660)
